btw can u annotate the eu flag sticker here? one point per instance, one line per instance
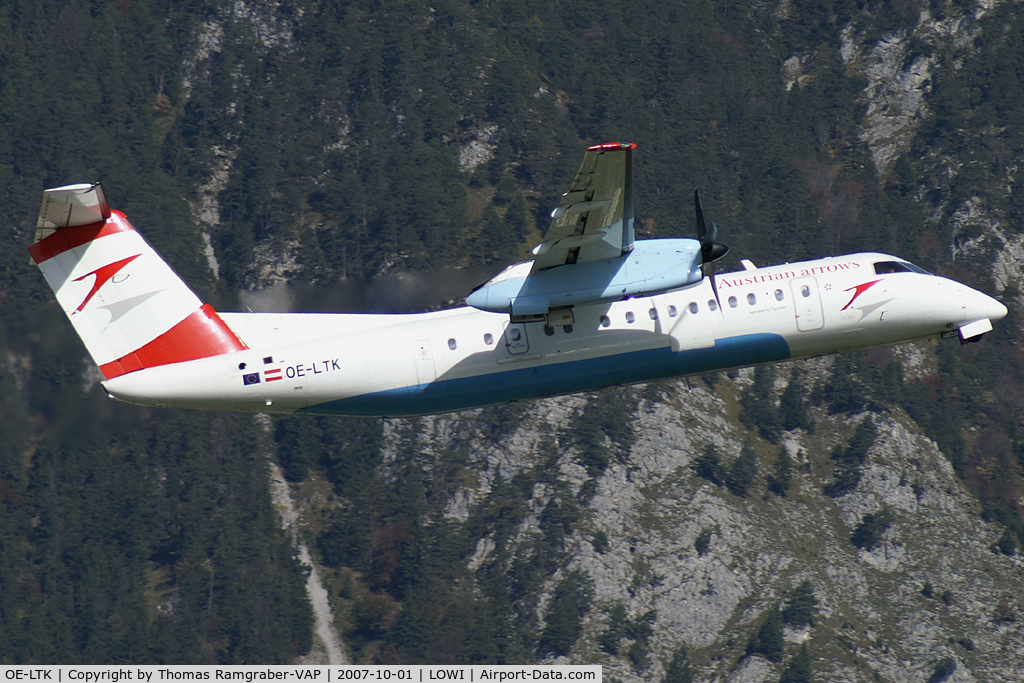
(251, 378)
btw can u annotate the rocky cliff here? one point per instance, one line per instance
(705, 565)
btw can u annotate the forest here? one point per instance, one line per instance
(312, 143)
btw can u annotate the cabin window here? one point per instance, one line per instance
(488, 338)
(805, 291)
(630, 318)
(653, 313)
(751, 299)
(712, 304)
(672, 311)
(732, 302)
(241, 366)
(606, 321)
(514, 334)
(778, 295)
(693, 307)
(452, 344)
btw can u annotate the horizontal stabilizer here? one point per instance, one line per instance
(71, 205)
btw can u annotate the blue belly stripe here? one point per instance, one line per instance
(560, 378)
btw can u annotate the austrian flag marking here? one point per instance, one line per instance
(272, 375)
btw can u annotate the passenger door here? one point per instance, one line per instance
(807, 302)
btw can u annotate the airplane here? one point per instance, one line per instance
(594, 308)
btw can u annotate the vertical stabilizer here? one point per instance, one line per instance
(130, 309)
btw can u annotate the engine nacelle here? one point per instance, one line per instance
(652, 266)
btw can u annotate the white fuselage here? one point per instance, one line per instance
(460, 358)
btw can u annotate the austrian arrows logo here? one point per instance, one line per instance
(103, 275)
(866, 309)
(860, 290)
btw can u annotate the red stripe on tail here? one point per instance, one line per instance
(201, 335)
(66, 239)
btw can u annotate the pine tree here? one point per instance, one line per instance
(869, 532)
(944, 669)
(851, 458)
(802, 606)
(743, 471)
(564, 623)
(708, 466)
(780, 481)
(792, 412)
(612, 637)
(757, 406)
(679, 669)
(843, 391)
(798, 668)
(768, 641)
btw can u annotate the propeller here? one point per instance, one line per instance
(710, 250)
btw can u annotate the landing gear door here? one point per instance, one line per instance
(515, 339)
(807, 302)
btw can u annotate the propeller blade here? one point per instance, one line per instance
(710, 250)
(702, 228)
(718, 250)
(714, 287)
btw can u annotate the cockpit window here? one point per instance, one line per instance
(886, 267)
(916, 269)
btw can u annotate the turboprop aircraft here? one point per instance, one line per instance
(594, 308)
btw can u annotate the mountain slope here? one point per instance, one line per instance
(929, 587)
(318, 146)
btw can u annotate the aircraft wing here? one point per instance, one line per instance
(594, 219)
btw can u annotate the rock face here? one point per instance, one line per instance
(706, 567)
(895, 100)
(327, 646)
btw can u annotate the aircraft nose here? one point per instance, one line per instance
(997, 310)
(993, 310)
(978, 306)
